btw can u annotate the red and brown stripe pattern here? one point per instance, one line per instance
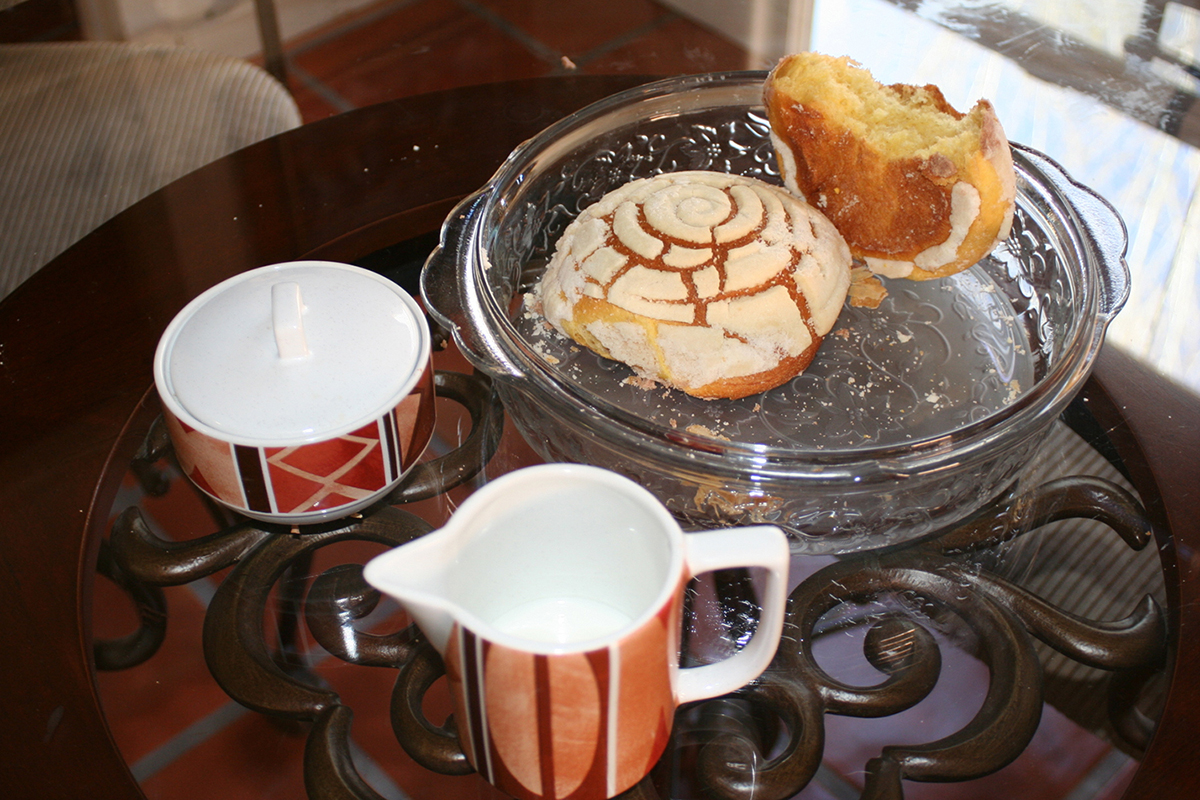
(310, 478)
(565, 726)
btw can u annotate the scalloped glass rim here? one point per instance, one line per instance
(1042, 402)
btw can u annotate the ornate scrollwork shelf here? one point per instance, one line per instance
(765, 741)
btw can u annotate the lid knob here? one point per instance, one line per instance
(287, 320)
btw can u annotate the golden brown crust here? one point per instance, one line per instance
(737, 388)
(589, 310)
(892, 202)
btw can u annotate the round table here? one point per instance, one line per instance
(76, 343)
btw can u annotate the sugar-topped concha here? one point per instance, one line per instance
(718, 285)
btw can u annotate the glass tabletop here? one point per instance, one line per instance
(396, 101)
(998, 646)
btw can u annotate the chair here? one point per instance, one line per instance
(89, 128)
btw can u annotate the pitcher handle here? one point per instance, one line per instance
(763, 546)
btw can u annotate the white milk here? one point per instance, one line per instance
(562, 619)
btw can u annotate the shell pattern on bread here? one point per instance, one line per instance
(918, 189)
(718, 285)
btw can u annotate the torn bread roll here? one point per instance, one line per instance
(917, 189)
(715, 284)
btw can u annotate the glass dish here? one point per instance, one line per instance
(913, 415)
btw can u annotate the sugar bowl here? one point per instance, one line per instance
(297, 393)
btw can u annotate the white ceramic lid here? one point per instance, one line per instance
(292, 353)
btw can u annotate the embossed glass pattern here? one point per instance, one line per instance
(912, 416)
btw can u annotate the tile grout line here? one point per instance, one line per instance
(539, 48)
(203, 588)
(231, 711)
(314, 84)
(838, 785)
(225, 715)
(192, 736)
(1100, 776)
(350, 26)
(374, 775)
(205, 728)
(554, 57)
(628, 37)
(319, 88)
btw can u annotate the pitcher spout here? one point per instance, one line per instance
(415, 575)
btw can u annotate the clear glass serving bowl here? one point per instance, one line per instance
(913, 415)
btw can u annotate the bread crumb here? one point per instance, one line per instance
(701, 430)
(866, 290)
(641, 382)
(736, 507)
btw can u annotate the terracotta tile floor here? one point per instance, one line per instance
(396, 48)
(181, 734)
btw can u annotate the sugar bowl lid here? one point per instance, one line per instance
(291, 353)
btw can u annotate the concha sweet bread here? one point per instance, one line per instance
(917, 189)
(718, 285)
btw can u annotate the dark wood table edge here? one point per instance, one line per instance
(52, 727)
(1155, 425)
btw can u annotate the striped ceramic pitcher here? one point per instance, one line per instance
(555, 595)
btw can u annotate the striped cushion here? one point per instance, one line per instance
(89, 128)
